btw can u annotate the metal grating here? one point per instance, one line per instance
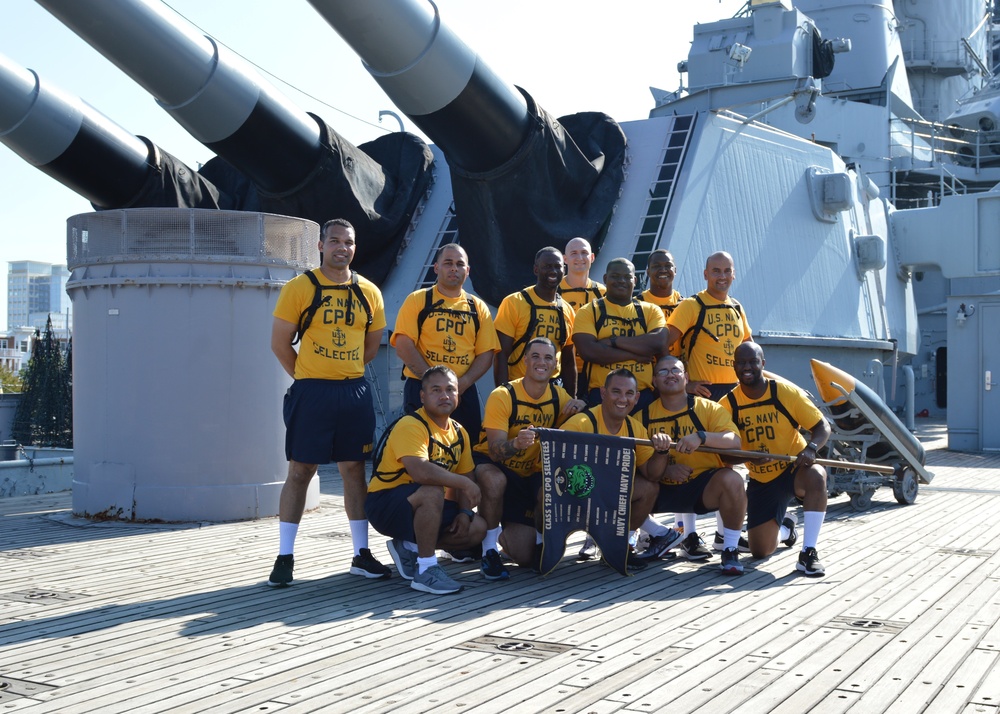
(515, 647)
(185, 234)
(447, 233)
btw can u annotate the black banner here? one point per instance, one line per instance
(587, 485)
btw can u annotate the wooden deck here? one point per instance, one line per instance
(98, 617)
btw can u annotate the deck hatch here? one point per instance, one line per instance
(864, 624)
(515, 647)
(11, 689)
(39, 595)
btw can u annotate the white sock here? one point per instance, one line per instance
(689, 524)
(654, 528)
(286, 537)
(424, 563)
(538, 538)
(720, 527)
(410, 546)
(730, 538)
(359, 535)
(812, 521)
(490, 541)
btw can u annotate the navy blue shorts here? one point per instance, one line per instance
(329, 420)
(469, 412)
(646, 396)
(770, 500)
(391, 514)
(684, 497)
(520, 496)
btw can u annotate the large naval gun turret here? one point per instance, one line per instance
(89, 153)
(272, 156)
(521, 179)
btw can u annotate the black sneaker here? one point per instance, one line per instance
(634, 562)
(809, 563)
(536, 559)
(365, 565)
(789, 523)
(719, 543)
(492, 566)
(281, 576)
(694, 549)
(660, 546)
(731, 564)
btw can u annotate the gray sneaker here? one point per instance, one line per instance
(660, 546)
(405, 560)
(435, 581)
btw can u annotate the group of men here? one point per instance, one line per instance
(681, 374)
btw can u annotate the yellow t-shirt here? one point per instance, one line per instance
(711, 417)
(620, 320)
(763, 427)
(578, 297)
(502, 414)
(416, 435)
(584, 423)
(553, 320)
(667, 305)
(723, 330)
(334, 345)
(448, 335)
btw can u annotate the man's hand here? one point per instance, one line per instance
(699, 389)
(460, 526)
(661, 442)
(677, 473)
(573, 406)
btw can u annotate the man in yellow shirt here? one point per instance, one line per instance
(537, 311)
(695, 481)
(710, 326)
(445, 325)
(328, 410)
(427, 459)
(578, 289)
(508, 458)
(661, 271)
(769, 414)
(619, 332)
(611, 418)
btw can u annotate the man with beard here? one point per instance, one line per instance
(769, 413)
(611, 418)
(536, 311)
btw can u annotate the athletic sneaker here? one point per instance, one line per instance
(466, 555)
(589, 549)
(492, 566)
(435, 581)
(405, 560)
(719, 543)
(365, 565)
(731, 564)
(809, 563)
(693, 548)
(634, 562)
(281, 576)
(660, 546)
(789, 523)
(536, 559)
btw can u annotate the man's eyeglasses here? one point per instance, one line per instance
(672, 370)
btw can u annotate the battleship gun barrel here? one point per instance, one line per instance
(477, 119)
(209, 90)
(69, 140)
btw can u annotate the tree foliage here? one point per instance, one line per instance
(44, 415)
(10, 380)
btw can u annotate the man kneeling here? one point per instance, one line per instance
(425, 464)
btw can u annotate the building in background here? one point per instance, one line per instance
(36, 291)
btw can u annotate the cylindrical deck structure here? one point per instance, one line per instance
(176, 394)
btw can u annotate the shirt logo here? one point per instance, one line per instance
(449, 344)
(339, 337)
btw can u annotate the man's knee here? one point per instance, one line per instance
(427, 497)
(300, 473)
(490, 479)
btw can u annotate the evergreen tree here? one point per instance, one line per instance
(44, 415)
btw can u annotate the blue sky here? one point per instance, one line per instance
(579, 55)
